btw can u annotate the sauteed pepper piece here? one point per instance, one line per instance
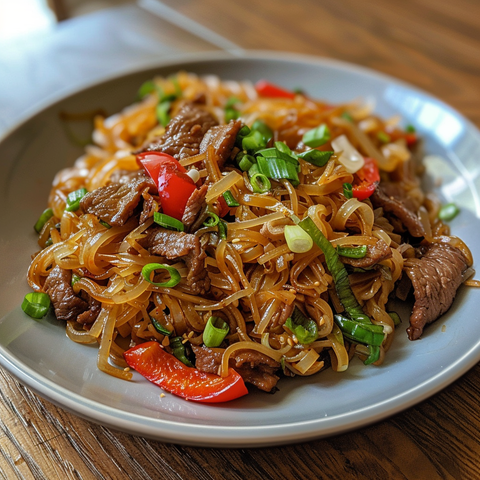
(159, 367)
(173, 183)
(267, 89)
(366, 179)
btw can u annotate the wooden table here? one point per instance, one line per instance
(434, 44)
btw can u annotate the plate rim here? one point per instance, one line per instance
(232, 436)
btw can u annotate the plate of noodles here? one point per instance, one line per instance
(240, 251)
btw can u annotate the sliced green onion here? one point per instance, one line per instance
(260, 183)
(396, 318)
(212, 219)
(215, 332)
(159, 327)
(253, 170)
(316, 157)
(284, 148)
(75, 278)
(231, 114)
(338, 272)
(146, 88)
(383, 137)
(243, 132)
(230, 199)
(166, 221)
(175, 277)
(278, 168)
(222, 229)
(298, 91)
(298, 240)
(410, 129)
(73, 199)
(347, 116)
(246, 162)
(179, 350)
(36, 304)
(105, 224)
(352, 252)
(356, 332)
(448, 212)
(348, 190)
(304, 328)
(162, 111)
(317, 136)
(374, 354)
(264, 129)
(44, 218)
(277, 153)
(49, 242)
(254, 141)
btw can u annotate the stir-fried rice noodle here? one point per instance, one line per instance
(254, 275)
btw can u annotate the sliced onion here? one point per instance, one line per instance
(349, 157)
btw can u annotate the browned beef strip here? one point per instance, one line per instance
(398, 207)
(222, 137)
(115, 203)
(66, 304)
(194, 205)
(253, 366)
(184, 133)
(375, 254)
(150, 206)
(435, 277)
(125, 176)
(181, 246)
(90, 315)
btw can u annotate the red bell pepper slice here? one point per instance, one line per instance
(163, 369)
(174, 186)
(223, 207)
(267, 89)
(366, 179)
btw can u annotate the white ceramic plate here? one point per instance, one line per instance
(40, 356)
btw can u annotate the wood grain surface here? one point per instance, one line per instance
(434, 44)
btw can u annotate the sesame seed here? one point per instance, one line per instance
(162, 395)
(292, 290)
(235, 240)
(190, 335)
(126, 369)
(290, 341)
(317, 283)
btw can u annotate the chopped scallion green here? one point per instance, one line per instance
(246, 161)
(448, 212)
(298, 240)
(73, 199)
(222, 229)
(410, 129)
(166, 221)
(212, 220)
(159, 327)
(179, 351)
(150, 268)
(304, 328)
(36, 304)
(383, 137)
(75, 278)
(277, 168)
(230, 199)
(162, 111)
(215, 332)
(348, 190)
(260, 183)
(105, 224)
(264, 129)
(352, 252)
(44, 218)
(396, 318)
(317, 136)
(316, 157)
